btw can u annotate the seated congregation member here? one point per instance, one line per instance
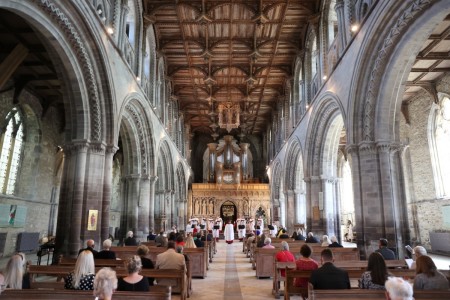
(325, 241)
(90, 244)
(268, 243)
(284, 256)
(130, 240)
(198, 241)
(151, 235)
(105, 283)
(82, 278)
(179, 241)
(15, 276)
(189, 242)
(305, 263)
(283, 234)
(147, 263)
(387, 253)
(261, 241)
(334, 243)
(161, 240)
(428, 277)
(299, 236)
(398, 289)
(311, 238)
(376, 274)
(328, 276)
(180, 249)
(170, 259)
(106, 253)
(418, 251)
(133, 281)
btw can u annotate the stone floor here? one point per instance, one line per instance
(230, 276)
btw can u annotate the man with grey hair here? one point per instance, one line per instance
(268, 243)
(398, 289)
(284, 255)
(90, 244)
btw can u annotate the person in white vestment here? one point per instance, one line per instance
(229, 233)
(241, 228)
(189, 228)
(274, 231)
(217, 227)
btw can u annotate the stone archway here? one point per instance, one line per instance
(228, 212)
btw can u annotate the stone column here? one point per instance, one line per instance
(244, 161)
(144, 205)
(327, 206)
(76, 179)
(342, 26)
(151, 195)
(107, 191)
(314, 192)
(121, 35)
(131, 209)
(290, 209)
(212, 162)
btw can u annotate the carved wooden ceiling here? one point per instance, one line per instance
(238, 51)
(432, 63)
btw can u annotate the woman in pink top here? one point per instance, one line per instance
(305, 263)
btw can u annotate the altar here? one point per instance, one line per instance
(229, 201)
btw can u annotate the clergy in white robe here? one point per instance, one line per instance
(217, 228)
(274, 231)
(189, 228)
(241, 228)
(229, 233)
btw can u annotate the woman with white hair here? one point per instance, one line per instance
(15, 273)
(106, 253)
(130, 240)
(105, 284)
(284, 255)
(268, 243)
(398, 289)
(82, 278)
(325, 241)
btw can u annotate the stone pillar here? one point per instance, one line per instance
(244, 161)
(121, 35)
(107, 191)
(144, 205)
(212, 162)
(379, 204)
(327, 207)
(151, 195)
(342, 26)
(131, 209)
(300, 206)
(314, 192)
(290, 209)
(75, 178)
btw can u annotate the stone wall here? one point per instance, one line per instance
(36, 178)
(424, 210)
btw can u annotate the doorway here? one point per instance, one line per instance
(228, 212)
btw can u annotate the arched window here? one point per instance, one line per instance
(439, 140)
(11, 151)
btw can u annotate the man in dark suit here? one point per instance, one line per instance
(328, 276)
(387, 253)
(90, 244)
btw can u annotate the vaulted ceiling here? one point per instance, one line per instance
(229, 52)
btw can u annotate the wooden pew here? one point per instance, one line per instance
(277, 278)
(62, 271)
(265, 259)
(353, 274)
(112, 263)
(370, 294)
(155, 293)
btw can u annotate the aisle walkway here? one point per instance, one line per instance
(231, 277)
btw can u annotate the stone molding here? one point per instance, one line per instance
(142, 149)
(381, 62)
(72, 35)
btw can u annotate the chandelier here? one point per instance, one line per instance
(228, 115)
